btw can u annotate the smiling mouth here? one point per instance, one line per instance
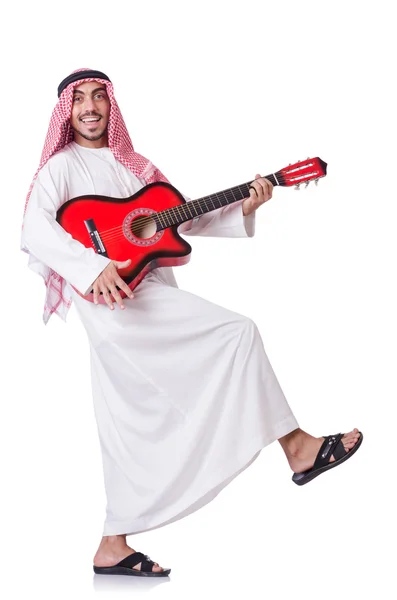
(90, 121)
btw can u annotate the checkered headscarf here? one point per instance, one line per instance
(59, 134)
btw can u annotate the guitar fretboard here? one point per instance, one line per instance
(185, 212)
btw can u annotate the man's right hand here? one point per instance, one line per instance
(107, 282)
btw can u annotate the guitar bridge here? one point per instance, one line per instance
(95, 237)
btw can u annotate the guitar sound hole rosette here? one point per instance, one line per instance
(134, 220)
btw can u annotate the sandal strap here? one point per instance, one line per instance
(332, 445)
(132, 560)
(339, 451)
(147, 565)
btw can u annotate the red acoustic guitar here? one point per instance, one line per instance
(144, 226)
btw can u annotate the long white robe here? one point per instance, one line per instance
(184, 395)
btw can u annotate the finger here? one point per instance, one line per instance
(96, 293)
(122, 264)
(260, 198)
(270, 187)
(123, 286)
(106, 296)
(116, 295)
(267, 187)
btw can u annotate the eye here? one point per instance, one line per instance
(76, 98)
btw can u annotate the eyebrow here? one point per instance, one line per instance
(102, 89)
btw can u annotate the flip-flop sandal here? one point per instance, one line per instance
(126, 567)
(332, 446)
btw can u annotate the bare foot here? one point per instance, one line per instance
(113, 549)
(301, 448)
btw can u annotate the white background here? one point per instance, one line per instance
(214, 92)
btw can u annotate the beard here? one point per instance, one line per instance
(91, 137)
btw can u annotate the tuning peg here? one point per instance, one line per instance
(297, 186)
(307, 183)
(316, 181)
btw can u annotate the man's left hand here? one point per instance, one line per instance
(261, 190)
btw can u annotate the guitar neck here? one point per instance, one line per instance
(185, 212)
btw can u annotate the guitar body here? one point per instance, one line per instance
(125, 228)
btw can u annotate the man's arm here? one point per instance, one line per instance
(233, 220)
(50, 243)
(227, 221)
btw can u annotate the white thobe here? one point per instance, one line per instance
(184, 395)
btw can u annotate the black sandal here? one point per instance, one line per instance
(332, 445)
(126, 567)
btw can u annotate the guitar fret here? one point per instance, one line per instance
(239, 193)
(156, 219)
(173, 213)
(182, 211)
(224, 194)
(218, 200)
(161, 219)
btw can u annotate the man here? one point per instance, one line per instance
(184, 395)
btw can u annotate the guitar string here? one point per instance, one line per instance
(117, 232)
(197, 203)
(172, 212)
(175, 211)
(162, 219)
(111, 235)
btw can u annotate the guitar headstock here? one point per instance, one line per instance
(304, 171)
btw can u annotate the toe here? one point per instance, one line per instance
(352, 436)
(157, 569)
(350, 439)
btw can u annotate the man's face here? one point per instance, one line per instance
(90, 114)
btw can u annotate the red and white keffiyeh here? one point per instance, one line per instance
(60, 133)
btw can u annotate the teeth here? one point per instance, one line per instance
(90, 120)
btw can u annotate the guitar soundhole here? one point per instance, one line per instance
(143, 227)
(139, 227)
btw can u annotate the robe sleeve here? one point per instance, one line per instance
(45, 239)
(227, 221)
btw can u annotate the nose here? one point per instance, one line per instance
(89, 104)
